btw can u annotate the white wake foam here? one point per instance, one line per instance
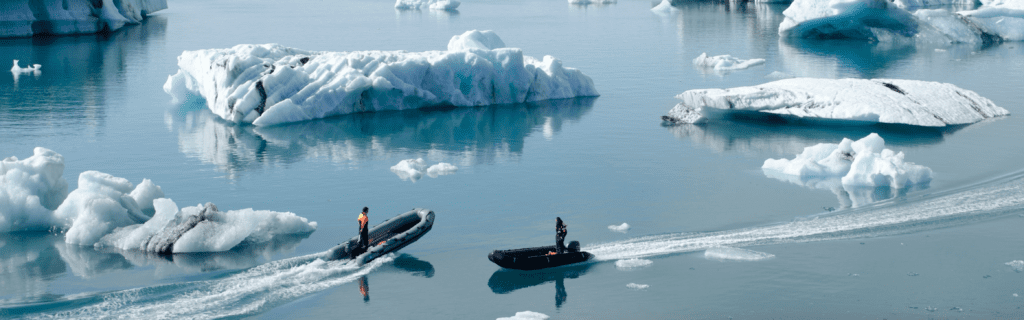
(736, 254)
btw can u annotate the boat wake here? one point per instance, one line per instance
(957, 207)
(246, 293)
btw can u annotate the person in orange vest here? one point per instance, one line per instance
(560, 233)
(364, 233)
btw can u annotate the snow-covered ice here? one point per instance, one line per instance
(737, 254)
(725, 62)
(413, 169)
(423, 4)
(896, 101)
(619, 228)
(1017, 265)
(888, 21)
(271, 84)
(526, 315)
(629, 264)
(24, 18)
(111, 211)
(636, 286)
(864, 163)
(665, 7)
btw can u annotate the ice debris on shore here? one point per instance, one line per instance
(413, 169)
(724, 62)
(862, 163)
(25, 18)
(271, 84)
(895, 101)
(736, 254)
(526, 315)
(110, 211)
(447, 5)
(619, 228)
(888, 21)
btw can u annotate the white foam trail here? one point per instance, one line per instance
(632, 264)
(729, 253)
(992, 199)
(247, 293)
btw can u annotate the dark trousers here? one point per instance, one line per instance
(560, 243)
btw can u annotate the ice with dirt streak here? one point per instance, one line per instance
(271, 84)
(895, 101)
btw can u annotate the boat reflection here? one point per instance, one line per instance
(403, 263)
(468, 135)
(506, 281)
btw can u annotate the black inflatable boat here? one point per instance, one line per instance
(389, 236)
(538, 257)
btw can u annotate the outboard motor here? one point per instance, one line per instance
(574, 246)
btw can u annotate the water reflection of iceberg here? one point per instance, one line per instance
(470, 135)
(79, 74)
(752, 136)
(848, 196)
(27, 261)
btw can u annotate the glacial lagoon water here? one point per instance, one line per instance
(937, 251)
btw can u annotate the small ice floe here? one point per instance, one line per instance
(413, 169)
(723, 63)
(895, 101)
(28, 69)
(630, 264)
(665, 7)
(447, 5)
(852, 275)
(1014, 295)
(526, 315)
(619, 228)
(637, 286)
(735, 254)
(913, 274)
(852, 169)
(1017, 265)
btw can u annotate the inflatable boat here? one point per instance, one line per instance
(538, 257)
(389, 236)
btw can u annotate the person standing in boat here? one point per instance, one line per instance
(560, 235)
(364, 234)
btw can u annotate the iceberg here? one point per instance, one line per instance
(25, 18)
(865, 162)
(432, 4)
(619, 228)
(526, 315)
(109, 211)
(413, 169)
(863, 101)
(886, 21)
(636, 286)
(736, 254)
(724, 62)
(1017, 265)
(270, 84)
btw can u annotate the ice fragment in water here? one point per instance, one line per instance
(526, 315)
(1017, 265)
(619, 228)
(636, 286)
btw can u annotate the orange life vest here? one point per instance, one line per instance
(362, 220)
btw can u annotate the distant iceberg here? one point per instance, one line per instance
(413, 169)
(724, 62)
(888, 21)
(111, 211)
(271, 84)
(893, 101)
(422, 4)
(24, 18)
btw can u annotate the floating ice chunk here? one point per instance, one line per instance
(412, 169)
(441, 169)
(729, 253)
(911, 102)
(422, 4)
(271, 84)
(619, 228)
(101, 204)
(1003, 19)
(1017, 265)
(26, 18)
(526, 315)
(1014, 295)
(864, 162)
(636, 286)
(664, 7)
(30, 190)
(856, 19)
(724, 62)
(627, 264)
(945, 27)
(29, 69)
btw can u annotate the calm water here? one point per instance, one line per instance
(594, 162)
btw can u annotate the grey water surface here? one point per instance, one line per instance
(939, 250)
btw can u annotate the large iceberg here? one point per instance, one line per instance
(887, 21)
(24, 18)
(110, 211)
(893, 101)
(271, 84)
